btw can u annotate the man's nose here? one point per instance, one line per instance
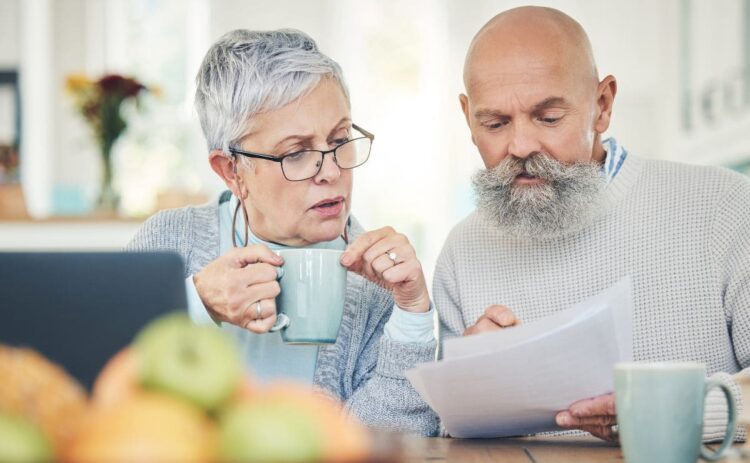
(524, 141)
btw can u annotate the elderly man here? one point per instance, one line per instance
(562, 214)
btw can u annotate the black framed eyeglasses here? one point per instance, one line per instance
(302, 165)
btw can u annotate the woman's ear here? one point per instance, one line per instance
(226, 167)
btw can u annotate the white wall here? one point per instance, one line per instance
(9, 34)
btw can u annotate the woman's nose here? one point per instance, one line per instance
(329, 171)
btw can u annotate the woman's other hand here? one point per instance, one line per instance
(386, 257)
(240, 287)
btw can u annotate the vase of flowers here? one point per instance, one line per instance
(99, 102)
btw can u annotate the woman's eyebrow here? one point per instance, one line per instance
(338, 125)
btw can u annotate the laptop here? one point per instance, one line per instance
(80, 308)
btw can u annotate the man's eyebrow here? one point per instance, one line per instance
(553, 101)
(481, 113)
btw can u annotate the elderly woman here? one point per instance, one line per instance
(275, 113)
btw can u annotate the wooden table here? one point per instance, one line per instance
(512, 450)
(547, 449)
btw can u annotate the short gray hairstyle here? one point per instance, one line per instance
(246, 73)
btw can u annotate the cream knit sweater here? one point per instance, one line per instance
(681, 232)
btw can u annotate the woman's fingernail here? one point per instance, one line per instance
(562, 419)
(345, 260)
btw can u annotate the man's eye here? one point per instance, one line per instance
(495, 125)
(550, 120)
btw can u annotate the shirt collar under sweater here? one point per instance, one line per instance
(615, 156)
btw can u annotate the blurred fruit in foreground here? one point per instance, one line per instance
(23, 442)
(290, 423)
(147, 427)
(198, 363)
(119, 380)
(35, 388)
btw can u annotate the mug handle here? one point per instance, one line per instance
(706, 453)
(282, 321)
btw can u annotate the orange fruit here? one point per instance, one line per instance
(148, 426)
(345, 439)
(119, 380)
(42, 392)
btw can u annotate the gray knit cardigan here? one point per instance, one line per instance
(363, 368)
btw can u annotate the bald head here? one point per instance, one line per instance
(531, 35)
(532, 87)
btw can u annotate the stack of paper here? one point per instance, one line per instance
(513, 382)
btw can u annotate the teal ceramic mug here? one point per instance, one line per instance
(660, 412)
(311, 303)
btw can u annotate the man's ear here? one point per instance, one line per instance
(226, 168)
(465, 108)
(606, 92)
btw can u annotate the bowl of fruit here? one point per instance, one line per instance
(178, 392)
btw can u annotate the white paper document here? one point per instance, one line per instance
(513, 382)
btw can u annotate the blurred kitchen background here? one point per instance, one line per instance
(683, 70)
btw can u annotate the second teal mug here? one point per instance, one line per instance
(311, 303)
(660, 412)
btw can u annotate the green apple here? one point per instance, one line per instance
(269, 432)
(21, 441)
(198, 363)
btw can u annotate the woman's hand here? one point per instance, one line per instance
(387, 258)
(240, 287)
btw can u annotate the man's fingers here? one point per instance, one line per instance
(482, 325)
(242, 257)
(356, 250)
(602, 405)
(501, 315)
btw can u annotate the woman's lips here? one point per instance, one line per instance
(329, 207)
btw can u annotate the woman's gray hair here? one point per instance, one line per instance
(246, 73)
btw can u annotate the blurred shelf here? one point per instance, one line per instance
(67, 234)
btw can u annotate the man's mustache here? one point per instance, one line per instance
(540, 165)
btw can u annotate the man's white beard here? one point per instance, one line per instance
(566, 201)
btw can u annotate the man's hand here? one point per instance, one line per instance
(596, 416)
(495, 317)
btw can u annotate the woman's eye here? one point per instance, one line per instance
(339, 141)
(294, 155)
